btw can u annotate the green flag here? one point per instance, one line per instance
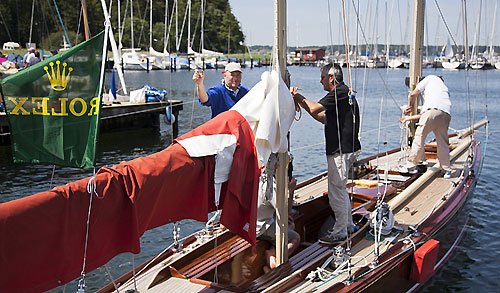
(53, 107)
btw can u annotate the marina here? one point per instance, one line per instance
(307, 148)
(176, 200)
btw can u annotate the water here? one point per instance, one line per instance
(472, 267)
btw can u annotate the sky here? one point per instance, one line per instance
(309, 24)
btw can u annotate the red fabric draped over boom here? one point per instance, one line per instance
(42, 236)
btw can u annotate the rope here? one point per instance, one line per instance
(298, 109)
(91, 189)
(355, 265)
(111, 277)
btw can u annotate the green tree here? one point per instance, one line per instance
(15, 23)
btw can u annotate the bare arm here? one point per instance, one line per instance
(410, 118)
(316, 110)
(198, 78)
(412, 100)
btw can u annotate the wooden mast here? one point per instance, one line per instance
(416, 52)
(279, 61)
(85, 22)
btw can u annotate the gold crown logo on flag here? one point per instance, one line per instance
(57, 80)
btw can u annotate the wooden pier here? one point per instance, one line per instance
(119, 117)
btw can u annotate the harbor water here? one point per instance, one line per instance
(380, 92)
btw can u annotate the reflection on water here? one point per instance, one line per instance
(471, 268)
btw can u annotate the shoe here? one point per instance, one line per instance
(332, 239)
(350, 230)
(404, 169)
(421, 168)
(447, 175)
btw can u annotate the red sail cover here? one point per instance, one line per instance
(42, 236)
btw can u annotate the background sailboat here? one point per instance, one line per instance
(452, 62)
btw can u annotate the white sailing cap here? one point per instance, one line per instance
(230, 67)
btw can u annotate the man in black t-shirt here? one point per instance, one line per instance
(340, 113)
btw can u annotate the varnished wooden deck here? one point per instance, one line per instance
(413, 211)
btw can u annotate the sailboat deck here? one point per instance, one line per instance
(311, 191)
(413, 211)
(177, 285)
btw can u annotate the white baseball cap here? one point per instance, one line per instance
(230, 67)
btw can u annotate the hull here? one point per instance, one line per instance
(376, 64)
(448, 228)
(395, 63)
(445, 222)
(133, 61)
(477, 66)
(132, 66)
(453, 65)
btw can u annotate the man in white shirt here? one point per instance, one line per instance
(435, 117)
(27, 56)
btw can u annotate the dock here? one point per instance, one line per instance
(120, 117)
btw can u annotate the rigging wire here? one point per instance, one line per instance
(330, 26)
(356, 62)
(445, 23)
(79, 21)
(376, 69)
(108, 272)
(143, 22)
(346, 42)
(134, 273)
(125, 13)
(467, 69)
(5, 24)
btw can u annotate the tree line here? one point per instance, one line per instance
(219, 23)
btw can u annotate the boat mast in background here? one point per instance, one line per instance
(132, 24)
(114, 48)
(85, 22)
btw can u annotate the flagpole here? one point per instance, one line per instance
(103, 59)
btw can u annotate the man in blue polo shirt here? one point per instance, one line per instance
(224, 95)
